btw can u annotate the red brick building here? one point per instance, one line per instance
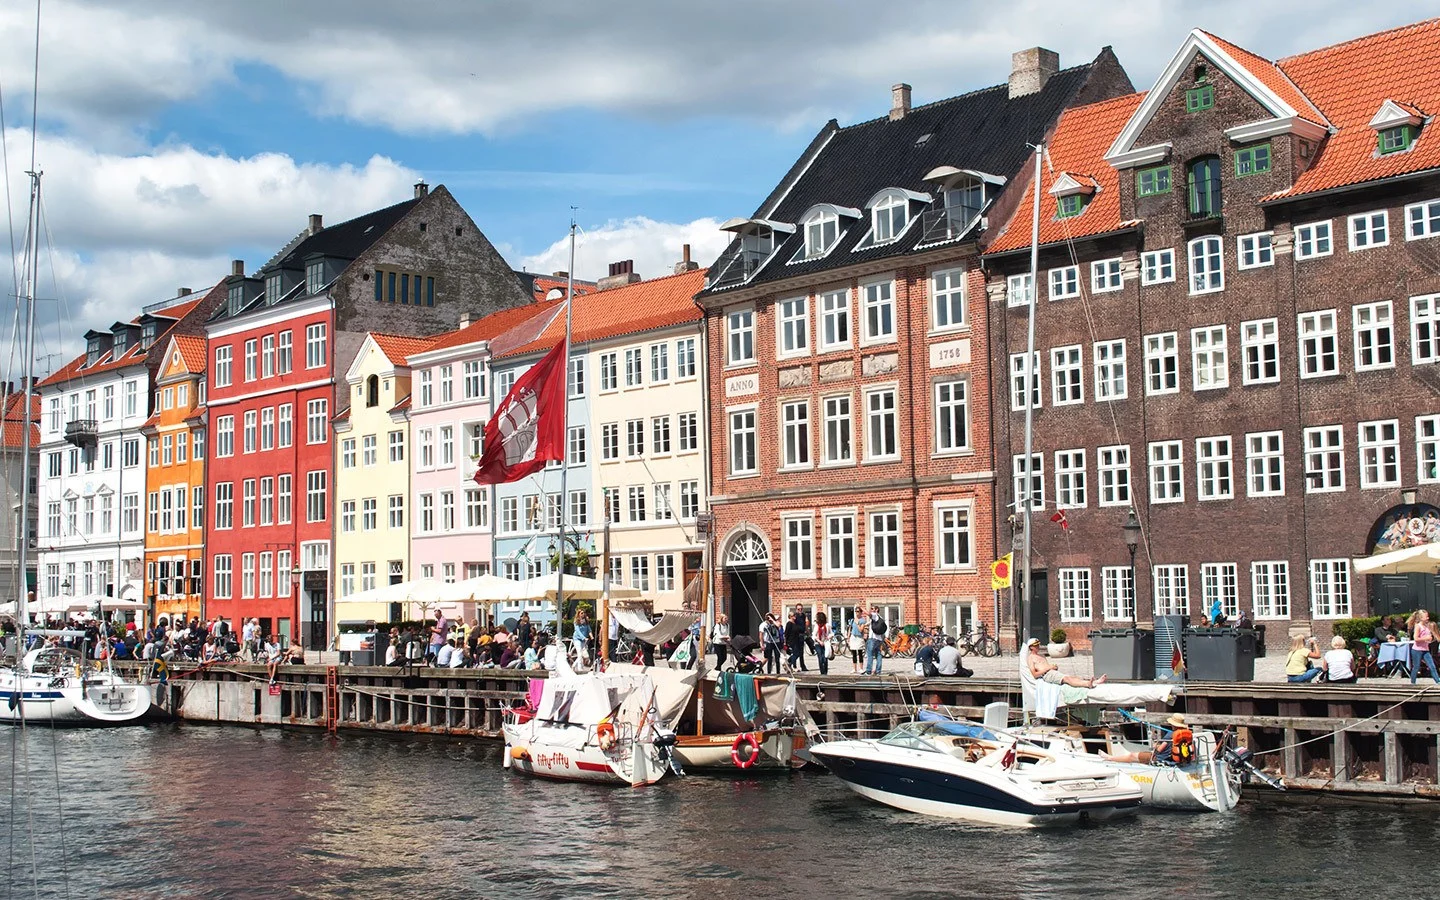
(1237, 315)
(848, 359)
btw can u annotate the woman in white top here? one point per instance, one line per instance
(720, 639)
(1339, 662)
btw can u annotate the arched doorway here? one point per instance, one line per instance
(747, 579)
(1399, 527)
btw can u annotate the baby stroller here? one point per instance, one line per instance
(745, 661)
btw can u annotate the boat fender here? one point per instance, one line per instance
(605, 733)
(519, 753)
(752, 754)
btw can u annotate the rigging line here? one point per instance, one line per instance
(35, 90)
(9, 208)
(668, 505)
(60, 801)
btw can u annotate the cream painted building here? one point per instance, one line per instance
(372, 475)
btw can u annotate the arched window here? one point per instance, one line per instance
(889, 215)
(822, 229)
(1203, 178)
(372, 391)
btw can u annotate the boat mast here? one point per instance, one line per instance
(27, 362)
(565, 447)
(1031, 386)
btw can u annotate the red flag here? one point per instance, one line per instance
(1059, 517)
(1008, 759)
(528, 428)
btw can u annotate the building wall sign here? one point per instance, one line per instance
(742, 385)
(950, 353)
(1406, 526)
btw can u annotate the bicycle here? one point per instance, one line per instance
(979, 643)
(901, 643)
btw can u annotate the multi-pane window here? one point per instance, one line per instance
(1380, 454)
(509, 515)
(1070, 486)
(315, 492)
(447, 384)
(795, 430)
(1019, 290)
(397, 446)
(1024, 380)
(427, 513)
(1260, 344)
(368, 453)
(1034, 491)
(251, 425)
(1270, 589)
(1064, 282)
(267, 501)
(447, 445)
(1152, 181)
(347, 453)
(369, 514)
(427, 388)
(688, 425)
(882, 439)
(283, 499)
(1113, 466)
(1162, 364)
(1370, 229)
(223, 365)
(252, 360)
(660, 491)
(794, 330)
(1110, 375)
(1425, 329)
(1374, 337)
(878, 298)
(947, 292)
(1324, 459)
(1214, 476)
(609, 372)
(479, 512)
(840, 543)
(1157, 266)
(610, 440)
(952, 537)
(1207, 265)
(1313, 240)
(1172, 590)
(634, 367)
(740, 330)
(1066, 375)
(224, 505)
(1209, 358)
(640, 573)
(742, 442)
(477, 508)
(223, 574)
(472, 379)
(834, 319)
(317, 421)
(577, 448)
(1167, 476)
(1252, 160)
(1318, 343)
(286, 427)
(1075, 599)
(635, 438)
(225, 436)
(884, 542)
(798, 559)
(1118, 585)
(283, 354)
(839, 429)
(1256, 250)
(952, 420)
(1422, 220)
(1330, 588)
(1265, 464)
(267, 428)
(689, 499)
(315, 351)
(660, 434)
(1220, 581)
(664, 571)
(1427, 448)
(1105, 275)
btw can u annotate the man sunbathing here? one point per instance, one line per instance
(1045, 670)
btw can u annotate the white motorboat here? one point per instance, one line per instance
(962, 771)
(55, 685)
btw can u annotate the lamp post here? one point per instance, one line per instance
(1132, 541)
(295, 583)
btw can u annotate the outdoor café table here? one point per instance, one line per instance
(1394, 657)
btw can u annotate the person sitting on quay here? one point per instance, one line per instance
(949, 660)
(507, 658)
(1339, 662)
(1297, 664)
(273, 656)
(295, 654)
(444, 654)
(1045, 670)
(1385, 630)
(927, 658)
(532, 655)
(458, 658)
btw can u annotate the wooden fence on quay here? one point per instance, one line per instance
(1378, 738)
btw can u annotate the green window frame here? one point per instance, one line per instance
(1394, 140)
(1252, 160)
(1152, 181)
(1200, 97)
(1069, 206)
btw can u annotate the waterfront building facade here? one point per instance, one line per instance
(1237, 318)
(92, 480)
(848, 361)
(17, 418)
(175, 483)
(275, 347)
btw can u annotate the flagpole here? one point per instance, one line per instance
(565, 446)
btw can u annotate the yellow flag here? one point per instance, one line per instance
(1000, 572)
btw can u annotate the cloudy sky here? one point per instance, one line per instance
(175, 136)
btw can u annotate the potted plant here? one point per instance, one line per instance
(1059, 644)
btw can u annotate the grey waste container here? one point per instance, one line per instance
(364, 648)
(1124, 653)
(1220, 654)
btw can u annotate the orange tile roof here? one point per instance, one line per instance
(1082, 136)
(13, 433)
(1270, 75)
(76, 367)
(398, 346)
(14, 436)
(493, 325)
(402, 405)
(643, 306)
(192, 351)
(1349, 82)
(544, 284)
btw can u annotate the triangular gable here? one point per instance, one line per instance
(1068, 184)
(1391, 114)
(1288, 108)
(176, 363)
(370, 359)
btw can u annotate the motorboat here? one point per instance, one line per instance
(602, 727)
(960, 770)
(52, 684)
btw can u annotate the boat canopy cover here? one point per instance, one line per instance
(670, 624)
(589, 698)
(673, 687)
(946, 725)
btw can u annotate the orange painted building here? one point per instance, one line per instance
(175, 483)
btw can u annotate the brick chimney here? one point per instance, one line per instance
(686, 264)
(317, 224)
(421, 189)
(621, 274)
(899, 101)
(465, 319)
(1030, 69)
(182, 292)
(237, 268)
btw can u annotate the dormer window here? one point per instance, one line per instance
(148, 332)
(1396, 126)
(120, 344)
(93, 349)
(755, 241)
(889, 217)
(315, 276)
(822, 230)
(1397, 139)
(1072, 194)
(235, 298)
(273, 289)
(1069, 207)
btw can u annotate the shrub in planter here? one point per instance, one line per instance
(1059, 644)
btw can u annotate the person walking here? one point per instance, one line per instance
(856, 641)
(720, 639)
(1423, 633)
(795, 638)
(770, 639)
(875, 642)
(821, 638)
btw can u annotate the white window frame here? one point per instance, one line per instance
(1077, 603)
(834, 315)
(954, 527)
(1311, 329)
(952, 408)
(1314, 240)
(1220, 580)
(1425, 329)
(1369, 230)
(945, 297)
(1214, 469)
(1325, 457)
(1112, 467)
(1166, 461)
(798, 535)
(878, 310)
(1020, 374)
(1427, 449)
(1106, 275)
(1270, 589)
(739, 337)
(1071, 489)
(1162, 364)
(833, 426)
(880, 452)
(1157, 266)
(1374, 336)
(1019, 290)
(835, 538)
(1118, 591)
(752, 429)
(1209, 358)
(1064, 282)
(1207, 264)
(1170, 589)
(1330, 588)
(1260, 351)
(1110, 360)
(1067, 375)
(1422, 220)
(792, 332)
(1018, 472)
(1255, 250)
(1265, 464)
(886, 517)
(1378, 445)
(795, 437)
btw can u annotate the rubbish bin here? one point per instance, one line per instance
(362, 648)
(1124, 653)
(1220, 654)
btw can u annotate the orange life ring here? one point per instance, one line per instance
(605, 733)
(745, 739)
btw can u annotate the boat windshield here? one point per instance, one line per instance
(54, 660)
(915, 736)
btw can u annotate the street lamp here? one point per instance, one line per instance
(1132, 540)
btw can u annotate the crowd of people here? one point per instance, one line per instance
(457, 644)
(1305, 661)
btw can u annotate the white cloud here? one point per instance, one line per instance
(654, 246)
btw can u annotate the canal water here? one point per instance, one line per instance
(177, 811)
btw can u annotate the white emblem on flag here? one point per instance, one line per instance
(517, 428)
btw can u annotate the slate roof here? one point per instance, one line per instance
(1078, 146)
(134, 353)
(984, 130)
(631, 309)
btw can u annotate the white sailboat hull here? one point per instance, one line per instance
(572, 753)
(97, 702)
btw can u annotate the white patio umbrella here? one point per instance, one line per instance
(1424, 559)
(577, 587)
(109, 604)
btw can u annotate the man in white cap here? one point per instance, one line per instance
(1045, 670)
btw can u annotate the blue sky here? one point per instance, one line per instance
(176, 136)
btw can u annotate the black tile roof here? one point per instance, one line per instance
(346, 240)
(984, 130)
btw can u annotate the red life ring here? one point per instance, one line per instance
(745, 739)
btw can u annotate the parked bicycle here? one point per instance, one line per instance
(979, 643)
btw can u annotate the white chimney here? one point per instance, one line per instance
(899, 101)
(1030, 69)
